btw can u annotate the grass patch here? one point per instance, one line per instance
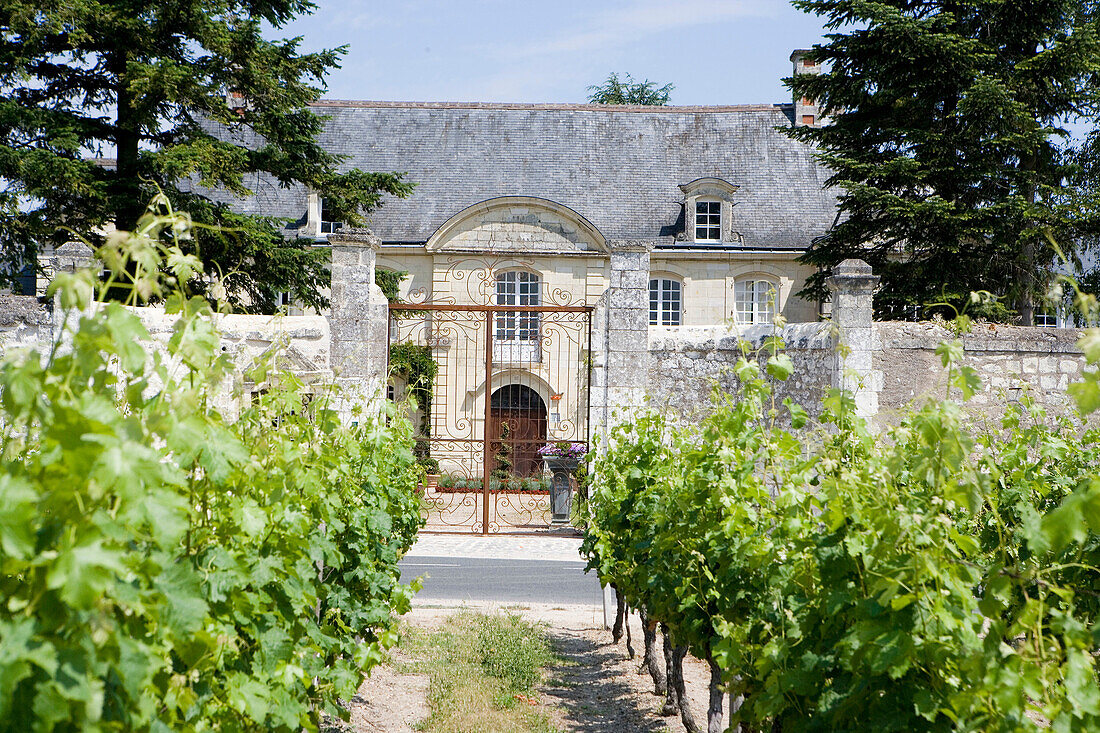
(483, 670)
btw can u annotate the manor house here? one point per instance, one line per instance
(528, 219)
(523, 205)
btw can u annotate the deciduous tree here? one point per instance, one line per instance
(628, 91)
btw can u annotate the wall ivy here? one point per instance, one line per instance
(412, 363)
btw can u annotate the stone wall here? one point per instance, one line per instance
(1009, 359)
(685, 365)
(25, 322)
(888, 367)
(296, 344)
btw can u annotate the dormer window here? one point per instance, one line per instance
(708, 212)
(328, 219)
(708, 221)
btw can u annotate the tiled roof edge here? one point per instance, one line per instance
(550, 107)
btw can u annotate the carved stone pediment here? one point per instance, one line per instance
(518, 225)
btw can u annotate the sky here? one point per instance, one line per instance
(712, 51)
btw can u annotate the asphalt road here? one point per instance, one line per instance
(506, 581)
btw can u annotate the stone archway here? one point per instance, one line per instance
(518, 427)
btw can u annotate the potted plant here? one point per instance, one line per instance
(562, 459)
(430, 467)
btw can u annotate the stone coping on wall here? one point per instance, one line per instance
(728, 337)
(306, 338)
(241, 325)
(983, 337)
(27, 310)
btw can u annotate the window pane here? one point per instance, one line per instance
(664, 302)
(673, 309)
(515, 288)
(708, 221)
(753, 301)
(328, 222)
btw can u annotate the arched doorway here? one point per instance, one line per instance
(517, 429)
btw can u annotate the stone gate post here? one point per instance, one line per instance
(620, 351)
(69, 257)
(852, 286)
(621, 339)
(358, 320)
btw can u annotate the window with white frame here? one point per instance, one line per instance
(1046, 319)
(754, 301)
(708, 221)
(328, 219)
(517, 288)
(665, 301)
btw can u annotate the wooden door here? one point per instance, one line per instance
(517, 429)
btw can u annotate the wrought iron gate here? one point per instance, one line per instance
(510, 379)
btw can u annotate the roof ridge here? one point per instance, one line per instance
(550, 106)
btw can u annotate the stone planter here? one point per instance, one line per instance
(561, 488)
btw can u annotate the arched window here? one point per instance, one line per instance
(665, 301)
(754, 300)
(517, 288)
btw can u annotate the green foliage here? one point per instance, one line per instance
(164, 564)
(512, 650)
(502, 459)
(390, 282)
(925, 577)
(628, 91)
(414, 364)
(944, 145)
(152, 82)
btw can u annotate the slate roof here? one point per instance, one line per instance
(620, 167)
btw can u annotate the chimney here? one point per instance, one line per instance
(806, 112)
(236, 102)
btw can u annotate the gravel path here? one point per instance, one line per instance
(596, 689)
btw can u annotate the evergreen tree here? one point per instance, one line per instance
(177, 92)
(943, 136)
(628, 91)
